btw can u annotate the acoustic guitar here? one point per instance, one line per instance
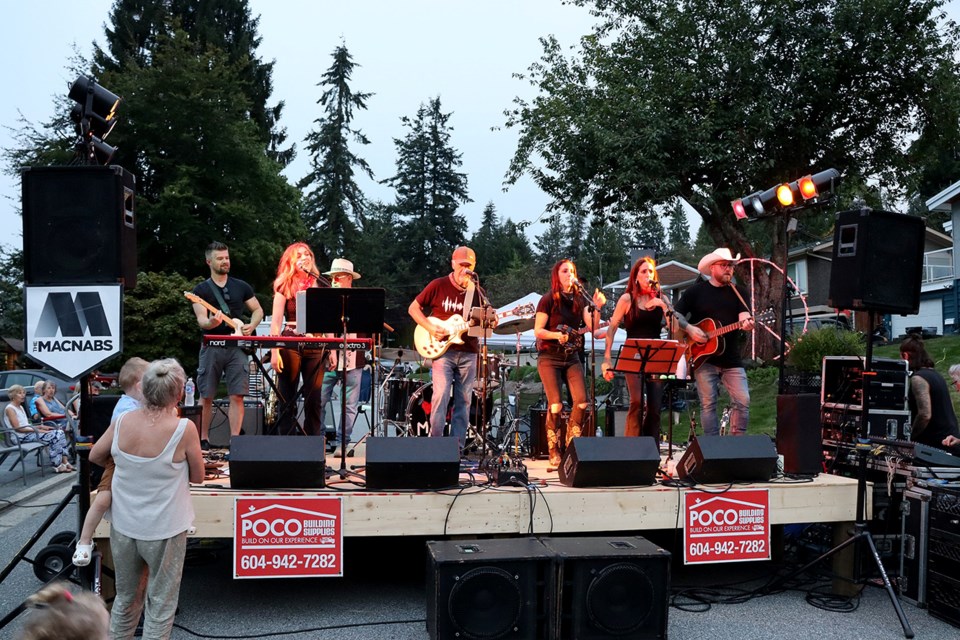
(699, 352)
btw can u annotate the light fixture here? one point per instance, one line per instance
(807, 191)
(95, 115)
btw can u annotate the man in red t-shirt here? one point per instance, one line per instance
(449, 300)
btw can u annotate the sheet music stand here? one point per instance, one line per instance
(341, 311)
(644, 357)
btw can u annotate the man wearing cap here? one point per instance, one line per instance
(456, 368)
(342, 275)
(724, 303)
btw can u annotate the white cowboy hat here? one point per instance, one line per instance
(341, 265)
(718, 254)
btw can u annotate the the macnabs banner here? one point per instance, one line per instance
(73, 328)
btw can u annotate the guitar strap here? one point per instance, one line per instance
(468, 300)
(219, 296)
(742, 301)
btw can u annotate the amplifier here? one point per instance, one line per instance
(842, 423)
(842, 383)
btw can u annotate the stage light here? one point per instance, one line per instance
(95, 115)
(808, 189)
(785, 196)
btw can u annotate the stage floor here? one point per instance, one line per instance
(543, 507)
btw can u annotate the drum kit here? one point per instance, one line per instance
(405, 401)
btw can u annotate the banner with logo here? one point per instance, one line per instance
(73, 328)
(288, 537)
(729, 527)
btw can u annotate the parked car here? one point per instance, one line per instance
(29, 377)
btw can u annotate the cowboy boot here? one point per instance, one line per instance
(573, 431)
(553, 444)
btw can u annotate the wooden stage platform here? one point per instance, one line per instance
(549, 506)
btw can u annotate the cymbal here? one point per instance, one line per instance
(515, 325)
(404, 355)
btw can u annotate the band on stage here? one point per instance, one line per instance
(454, 319)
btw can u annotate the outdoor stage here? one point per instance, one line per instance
(548, 506)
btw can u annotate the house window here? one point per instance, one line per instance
(797, 271)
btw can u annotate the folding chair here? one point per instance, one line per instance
(10, 444)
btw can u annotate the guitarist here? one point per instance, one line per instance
(231, 296)
(725, 303)
(561, 313)
(453, 294)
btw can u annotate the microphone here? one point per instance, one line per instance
(470, 273)
(655, 284)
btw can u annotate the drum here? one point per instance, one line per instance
(396, 398)
(494, 373)
(420, 405)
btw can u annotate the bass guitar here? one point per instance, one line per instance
(454, 326)
(234, 323)
(699, 352)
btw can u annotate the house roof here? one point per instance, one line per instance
(14, 344)
(671, 274)
(943, 201)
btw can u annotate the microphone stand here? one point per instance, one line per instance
(594, 321)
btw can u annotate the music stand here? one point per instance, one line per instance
(341, 311)
(645, 356)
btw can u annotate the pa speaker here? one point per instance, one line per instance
(412, 463)
(610, 462)
(722, 459)
(79, 225)
(611, 587)
(877, 262)
(277, 462)
(252, 424)
(96, 421)
(490, 589)
(799, 434)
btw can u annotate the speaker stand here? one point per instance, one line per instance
(860, 534)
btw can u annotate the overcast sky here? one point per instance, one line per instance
(464, 51)
(409, 51)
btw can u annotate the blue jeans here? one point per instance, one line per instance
(457, 370)
(330, 380)
(709, 377)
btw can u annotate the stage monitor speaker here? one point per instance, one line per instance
(799, 433)
(412, 463)
(723, 459)
(79, 225)
(610, 462)
(877, 262)
(277, 462)
(252, 424)
(611, 587)
(490, 589)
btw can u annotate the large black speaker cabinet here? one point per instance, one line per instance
(490, 589)
(79, 225)
(95, 421)
(877, 262)
(610, 462)
(799, 434)
(723, 459)
(611, 587)
(412, 463)
(277, 462)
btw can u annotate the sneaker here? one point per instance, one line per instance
(204, 445)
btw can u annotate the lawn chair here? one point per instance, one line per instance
(10, 444)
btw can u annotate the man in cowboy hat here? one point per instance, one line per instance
(456, 368)
(715, 303)
(342, 275)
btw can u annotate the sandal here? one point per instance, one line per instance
(63, 468)
(81, 557)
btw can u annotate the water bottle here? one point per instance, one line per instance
(189, 393)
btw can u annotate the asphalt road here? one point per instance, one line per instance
(383, 594)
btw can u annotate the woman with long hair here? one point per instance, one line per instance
(157, 454)
(15, 417)
(296, 272)
(562, 315)
(643, 313)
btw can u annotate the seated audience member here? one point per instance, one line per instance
(931, 409)
(14, 417)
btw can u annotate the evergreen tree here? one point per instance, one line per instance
(500, 246)
(135, 30)
(334, 203)
(551, 245)
(11, 293)
(604, 254)
(429, 190)
(678, 231)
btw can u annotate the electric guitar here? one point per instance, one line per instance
(234, 323)
(429, 347)
(699, 352)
